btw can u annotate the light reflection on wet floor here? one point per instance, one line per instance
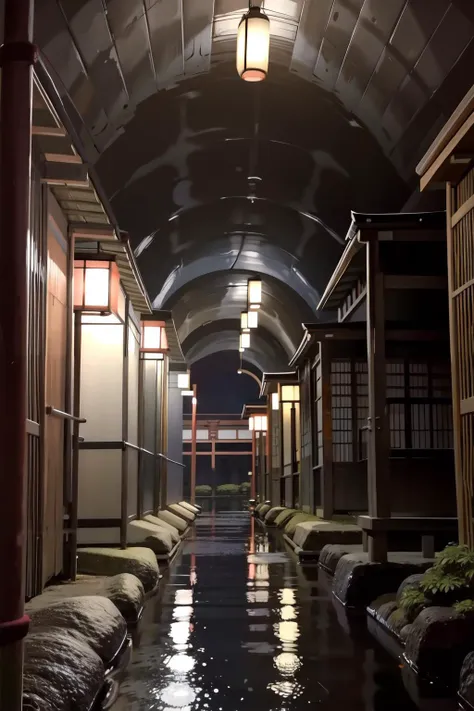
(239, 625)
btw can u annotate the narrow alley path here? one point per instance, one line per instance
(239, 625)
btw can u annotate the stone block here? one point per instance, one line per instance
(124, 590)
(147, 534)
(263, 511)
(290, 526)
(174, 533)
(61, 671)
(438, 643)
(138, 561)
(183, 513)
(95, 619)
(177, 521)
(190, 507)
(271, 515)
(314, 535)
(284, 516)
(357, 582)
(331, 554)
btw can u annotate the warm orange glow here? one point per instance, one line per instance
(258, 423)
(96, 287)
(253, 45)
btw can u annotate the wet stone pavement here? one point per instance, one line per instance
(240, 625)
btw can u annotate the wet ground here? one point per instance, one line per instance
(240, 625)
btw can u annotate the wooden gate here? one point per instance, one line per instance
(460, 215)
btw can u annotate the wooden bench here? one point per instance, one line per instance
(426, 526)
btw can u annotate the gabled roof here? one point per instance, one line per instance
(175, 352)
(352, 266)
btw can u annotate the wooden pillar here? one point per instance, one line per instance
(124, 478)
(327, 488)
(193, 445)
(16, 58)
(253, 483)
(379, 438)
(461, 352)
(263, 475)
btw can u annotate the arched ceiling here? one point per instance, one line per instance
(212, 177)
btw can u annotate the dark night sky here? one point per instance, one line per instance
(220, 389)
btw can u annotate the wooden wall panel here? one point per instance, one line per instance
(460, 212)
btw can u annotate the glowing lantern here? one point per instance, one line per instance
(253, 45)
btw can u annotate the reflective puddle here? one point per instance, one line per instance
(240, 625)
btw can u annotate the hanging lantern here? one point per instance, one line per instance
(248, 320)
(253, 45)
(244, 341)
(254, 294)
(96, 287)
(154, 340)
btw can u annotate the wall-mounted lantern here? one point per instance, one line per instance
(258, 423)
(290, 393)
(254, 294)
(154, 341)
(253, 45)
(184, 381)
(96, 287)
(275, 401)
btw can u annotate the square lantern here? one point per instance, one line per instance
(275, 401)
(254, 294)
(244, 341)
(258, 423)
(290, 393)
(154, 341)
(184, 381)
(248, 320)
(96, 287)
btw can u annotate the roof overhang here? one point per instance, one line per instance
(130, 277)
(177, 360)
(452, 151)
(365, 227)
(270, 381)
(249, 410)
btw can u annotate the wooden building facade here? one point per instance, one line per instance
(449, 163)
(375, 382)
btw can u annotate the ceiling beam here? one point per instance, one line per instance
(65, 174)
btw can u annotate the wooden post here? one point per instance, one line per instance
(464, 505)
(263, 474)
(378, 462)
(253, 483)
(193, 445)
(161, 492)
(124, 478)
(327, 492)
(17, 56)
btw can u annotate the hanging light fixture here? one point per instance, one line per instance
(244, 341)
(248, 320)
(253, 45)
(254, 294)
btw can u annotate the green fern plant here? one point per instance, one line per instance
(464, 607)
(411, 600)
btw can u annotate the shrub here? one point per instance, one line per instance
(464, 607)
(228, 489)
(450, 581)
(245, 488)
(203, 490)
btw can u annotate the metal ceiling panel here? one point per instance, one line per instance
(337, 37)
(376, 23)
(313, 22)
(416, 25)
(166, 39)
(197, 32)
(128, 25)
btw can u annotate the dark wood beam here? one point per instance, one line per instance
(51, 131)
(409, 281)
